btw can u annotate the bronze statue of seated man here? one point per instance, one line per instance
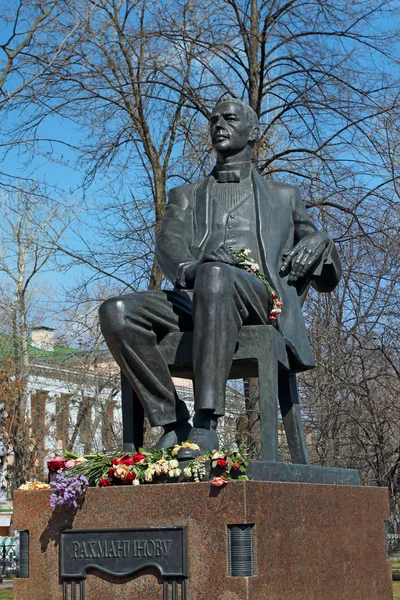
(205, 225)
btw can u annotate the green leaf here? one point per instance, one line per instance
(69, 454)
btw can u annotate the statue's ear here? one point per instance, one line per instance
(255, 132)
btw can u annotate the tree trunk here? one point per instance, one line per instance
(160, 201)
(156, 277)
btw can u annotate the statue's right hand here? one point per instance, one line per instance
(222, 254)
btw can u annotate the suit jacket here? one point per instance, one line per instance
(282, 221)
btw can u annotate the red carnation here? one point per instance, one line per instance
(105, 482)
(221, 462)
(56, 463)
(219, 481)
(138, 457)
(111, 472)
(127, 461)
(115, 461)
(129, 477)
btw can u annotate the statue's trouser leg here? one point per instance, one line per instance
(225, 298)
(131, 325)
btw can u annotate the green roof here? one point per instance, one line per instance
(7, 349)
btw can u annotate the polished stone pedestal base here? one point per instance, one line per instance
(310, 541)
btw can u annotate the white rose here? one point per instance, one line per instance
(148, 475)
(187, 472)
(173, 464)
(217, 455)
(121, 471)
(190, 445)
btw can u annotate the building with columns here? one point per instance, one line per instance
(74, 401)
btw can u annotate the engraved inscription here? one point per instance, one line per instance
(121, 549)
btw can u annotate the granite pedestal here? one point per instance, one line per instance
(310, 541)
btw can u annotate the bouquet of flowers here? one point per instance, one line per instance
(71, 474)
(251, 266)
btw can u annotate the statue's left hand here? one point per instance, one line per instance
(304, 255)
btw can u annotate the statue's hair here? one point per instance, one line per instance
(251, 115)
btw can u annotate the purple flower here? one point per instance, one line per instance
(68, 490)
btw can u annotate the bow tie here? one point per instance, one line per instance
(229, 176)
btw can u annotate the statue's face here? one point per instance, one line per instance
(230, 132)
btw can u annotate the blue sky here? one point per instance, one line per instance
(65, 175)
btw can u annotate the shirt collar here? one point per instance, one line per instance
(232, 172)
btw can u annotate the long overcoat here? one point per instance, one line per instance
(282, 221)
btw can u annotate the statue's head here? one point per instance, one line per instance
(233, 126)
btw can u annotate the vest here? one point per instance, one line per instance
(233, 219)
